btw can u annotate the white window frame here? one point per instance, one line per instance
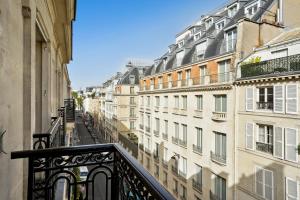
(286, 98)
(287, 196)
(263, 183)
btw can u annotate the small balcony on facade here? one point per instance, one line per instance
(221, 159)
(147, 150)
(197, 185)
(263, 147)
(182, 143)
(288, 64)
(156, 158)
(219, 116)
(198, 113)
(197, 149)
(264, 105)
(147, 129)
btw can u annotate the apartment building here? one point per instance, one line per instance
(267, 100)
(36, 46)
(187, 99)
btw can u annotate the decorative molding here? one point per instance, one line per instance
(273, 79)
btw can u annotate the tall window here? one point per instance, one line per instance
(184, 133)
(157, 102)
(265, 99)
(232, 10)
(156, 152)
(231, 40)
(223, 71)
(176, 127)
(199, 101)
(199, 137)
(131, 100)
(265, 138)
(142, 100)
(220, 145)
(179, 74)
(183, 192)
(131, 90)
(184, 102)
(132, 113)
(179, 57)
(183, 165)
(220, 187)
(142, 118)
(165, 157)
(176, 100)
(157, 124)
(188, 74)
(198, 174)
(220, 103)
(148, 101)
(166, 101)
(132, 125)
(148, 121)
(166, 127)
(264, 183)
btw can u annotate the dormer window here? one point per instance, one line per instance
(197, 36)
(251, 9)
(208, 22)
(220, 25)
(232, 10)
(179, 57)
(180, 44)
(131, 79)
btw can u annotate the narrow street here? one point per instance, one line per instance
(85, 138)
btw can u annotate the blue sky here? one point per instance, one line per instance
(107, 33)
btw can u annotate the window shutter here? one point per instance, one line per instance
(291, 189)
(268, 184)
(250, 136)
(278, 98)
(278, 142)
(291, 144)
(291, 99)
(249, 99)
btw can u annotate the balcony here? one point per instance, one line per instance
(198, 114)
(182, 143)
(197, 185)
(141, 126)
(174, 140)
(121, 176)
(156, 133)
(197, 149)
(165, 136)
(288, 64)
(221, 159)
(264, 105)
(267, 148)
(220, 77)
(219, 116)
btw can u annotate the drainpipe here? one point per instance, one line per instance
(280, 12)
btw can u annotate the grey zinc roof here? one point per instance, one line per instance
(132, 71)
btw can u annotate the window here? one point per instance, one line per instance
(197, 36)
(265, 138)
(131, 90)
(188, 74)
(183, 165)
(176, 99)
(291, 189)
(265, 98)
(142, 118)
(179, 74)
(264, 183)
(220, 103)
(132, 125)
(148, 143)
(148, 121)
(175, 185)
(223, 71)
(199, 137)
(148, 101)
(219, 187)
(183, 136)
(165, 177)
(198, 174)
(200, 49)
(183, 192)
(184, 102)
(157, 124)
(180, 43)
(251, 9)
(220, 145)
(157, 170)
(142, 100)
(199, 102)
(166, 127)
(231, 40)
(176, 127)
(179, 57)
(220, 25)
(165, 157)
(157, 102)
(131, 79)
(208, 22)
(156, 151)
(131, 100)
(232, 10)
(132, 113)
(166, 101)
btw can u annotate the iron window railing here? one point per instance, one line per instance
(218, 158)
(197, 148)
(264, 105)
(268, 148)
(197, 185)
(274, 66)
(112, 171)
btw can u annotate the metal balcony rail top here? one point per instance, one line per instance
(155, 189)
(273, 66)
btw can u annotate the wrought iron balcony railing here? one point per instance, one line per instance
(148, 129)
(165, 136)
(175, 140)
(264, 105)
(141, 126)
(274, 66)
(218, 158)
(70, 109)
(268, 148)
(55, 136)
(156, 133)
(182, 142)
(219, 116)
(111, 173)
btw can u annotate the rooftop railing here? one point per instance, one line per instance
(111, 173)
(273, 66)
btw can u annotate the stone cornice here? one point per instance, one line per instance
(259, 80)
